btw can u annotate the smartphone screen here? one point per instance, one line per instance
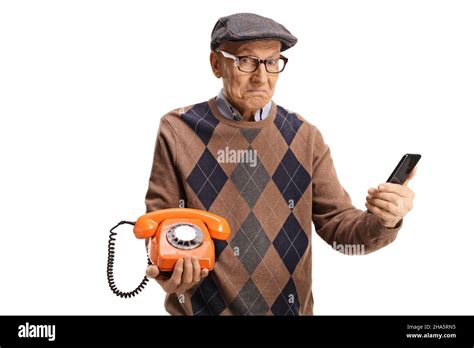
(403, 168)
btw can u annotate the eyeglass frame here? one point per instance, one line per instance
(260, 61)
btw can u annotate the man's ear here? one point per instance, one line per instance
(215, 64)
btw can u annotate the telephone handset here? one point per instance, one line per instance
(181, 232)
(174, 233)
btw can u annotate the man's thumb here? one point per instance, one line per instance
(152, 271)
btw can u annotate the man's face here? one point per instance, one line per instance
(248, 92)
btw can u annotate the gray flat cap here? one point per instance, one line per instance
(250, 27)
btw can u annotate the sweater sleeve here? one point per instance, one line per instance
(165, 188)
(335, 218)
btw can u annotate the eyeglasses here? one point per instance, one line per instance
(249, 64)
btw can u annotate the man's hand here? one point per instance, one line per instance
(391, 202)
(186, 274)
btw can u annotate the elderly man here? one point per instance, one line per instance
(267, 171)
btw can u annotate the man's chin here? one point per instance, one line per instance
(257, 103)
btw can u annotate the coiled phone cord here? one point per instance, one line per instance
(110, 266)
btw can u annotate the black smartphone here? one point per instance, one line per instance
(403, 168)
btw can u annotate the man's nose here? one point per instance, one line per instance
(261, 74)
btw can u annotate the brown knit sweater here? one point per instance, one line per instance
(270, 180)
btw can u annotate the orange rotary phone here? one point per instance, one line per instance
(181, 232)
(175, 233)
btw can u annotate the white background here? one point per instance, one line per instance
(83, 85)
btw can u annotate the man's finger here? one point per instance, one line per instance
(395, 188)
(394, 209)
(412, 174)
(372, 190)
(386, 196)
(175, 279)
(152, 271)
(196, 270)
(381, 213)
(188, 271)
(204, 272)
